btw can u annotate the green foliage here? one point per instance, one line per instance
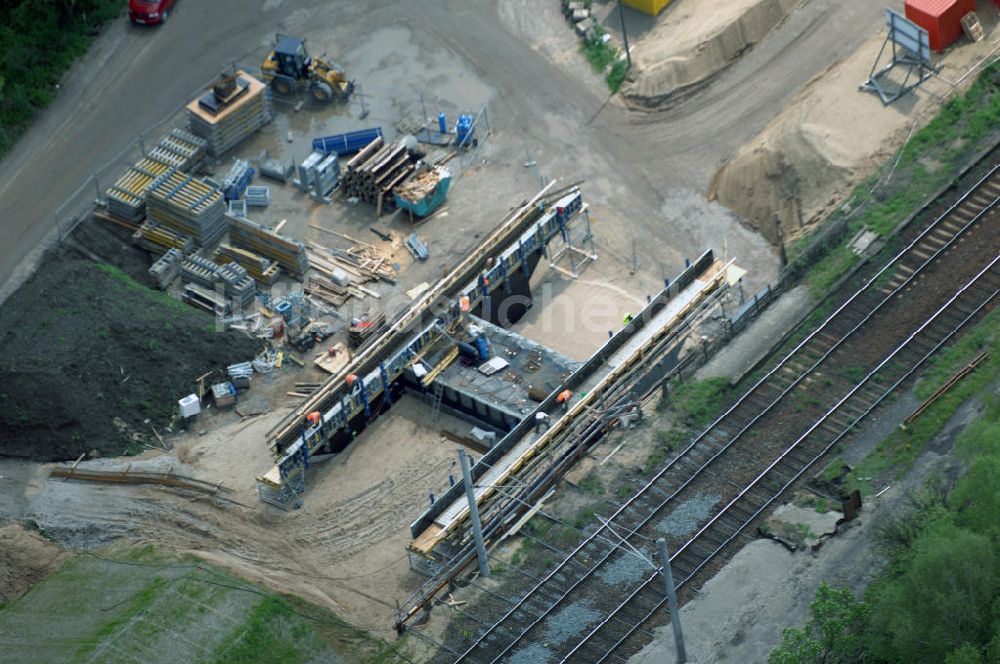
(833, 634)
(941, 599)
(40, 41)
(616, 76)
(697, 403)
(897, 452)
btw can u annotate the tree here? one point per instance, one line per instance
(833, 634)
(940, 600)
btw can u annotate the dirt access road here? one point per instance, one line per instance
(647, 169)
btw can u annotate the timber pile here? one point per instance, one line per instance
(419, 186)
(157, 239)
(326, 291)
(189, 206)
(262, 269)
(375, 171)
(363, 330)
(363, 261)
(225, 121)
(288, 253)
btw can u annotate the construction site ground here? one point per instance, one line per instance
(646, 176)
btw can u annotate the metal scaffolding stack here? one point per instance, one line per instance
(166, 268)
(127, 196)
(225, 119)
(263, 270)
(158, 239)
(187, 146)
(288, 253)
(189, 206)
(238, 286)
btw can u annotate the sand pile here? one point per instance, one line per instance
(803, 165)
(694, 41)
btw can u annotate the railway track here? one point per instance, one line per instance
(799, 410)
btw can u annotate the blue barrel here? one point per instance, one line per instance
(483, 346)
(463, 128)
(443, 123)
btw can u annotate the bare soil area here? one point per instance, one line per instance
(804, 163)
(344, 550)
(693, 41)
(25, 558)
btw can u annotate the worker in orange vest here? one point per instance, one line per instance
(349, 379)
(563, 398)
(313, 418)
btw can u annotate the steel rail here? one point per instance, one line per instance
(746, 398)
(774, 495)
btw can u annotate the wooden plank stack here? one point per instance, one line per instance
(189, 206)
(372, 174)
(263, 270)
(158, 239)
(243, 115)
(288, 253)
(326, 290)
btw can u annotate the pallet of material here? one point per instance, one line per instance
(127, 196)
(237, 284)
(157, 239)
(235, 121)
(206, 299)
(188, 205)
(189, 147)
(263, 270)
(288, 253)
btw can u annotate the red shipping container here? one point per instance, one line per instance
(942, 19)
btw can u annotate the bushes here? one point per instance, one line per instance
(41, 39)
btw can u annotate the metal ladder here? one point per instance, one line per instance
(436, 401)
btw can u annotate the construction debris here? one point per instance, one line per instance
(423, 191)
(235, 107)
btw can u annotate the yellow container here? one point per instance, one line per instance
(651, 7)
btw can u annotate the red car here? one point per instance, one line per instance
(149, 12)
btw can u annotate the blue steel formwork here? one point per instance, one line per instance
(350, 402)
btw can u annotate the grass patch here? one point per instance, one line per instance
(40, 42)
(698, 402)
(898, 451)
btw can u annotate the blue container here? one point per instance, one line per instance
(464, 130)
(483, 346)
(443, 123)
(345, 144)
